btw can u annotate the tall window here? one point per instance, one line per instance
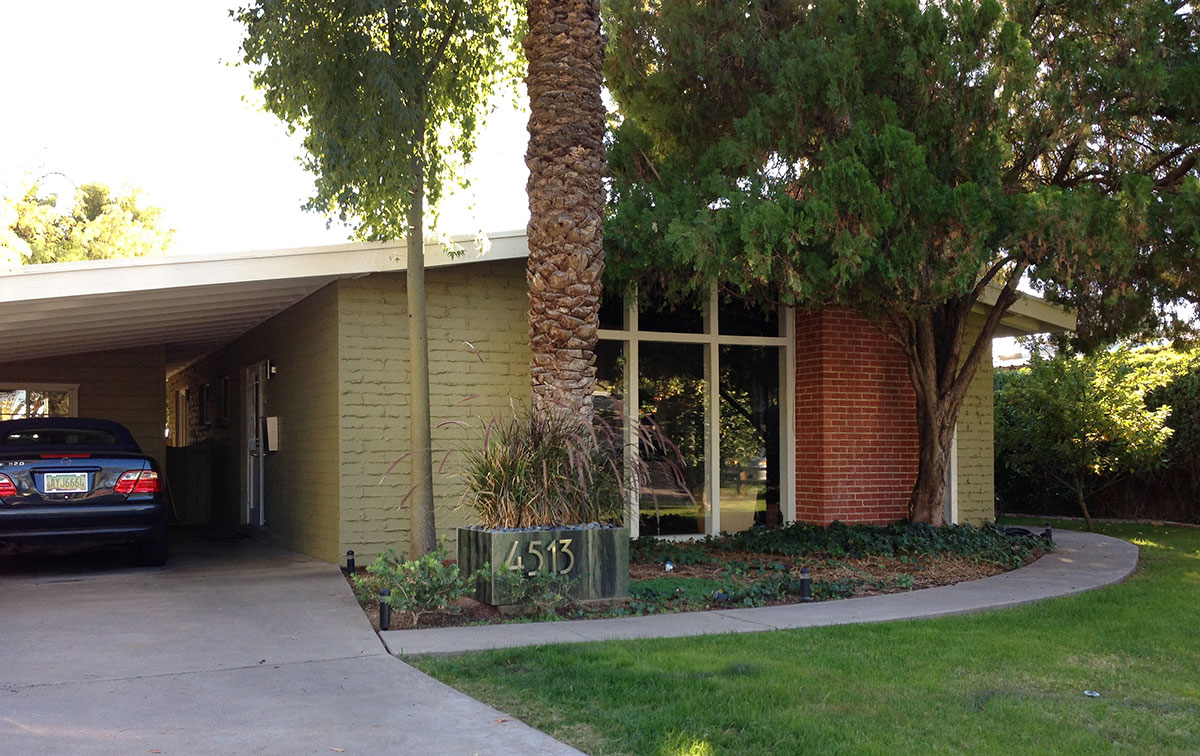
(712, 382)
(37, 400)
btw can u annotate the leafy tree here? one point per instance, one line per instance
(101, 225)
(1083, 422)
(565, 51)
(388, 96)
(909, 160)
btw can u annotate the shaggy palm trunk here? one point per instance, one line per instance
(565, 50)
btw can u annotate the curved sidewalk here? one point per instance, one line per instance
(1080, 562)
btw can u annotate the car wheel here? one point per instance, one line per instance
(153, 553)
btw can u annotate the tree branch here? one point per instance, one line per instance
(1064, 164)
(981, 285)
(1178, 173)
(1005, 300)
(436, 59)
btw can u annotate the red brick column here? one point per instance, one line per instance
(856, 430)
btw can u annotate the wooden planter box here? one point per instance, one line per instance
(595, 560)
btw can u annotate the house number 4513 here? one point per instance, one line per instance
(554, 552)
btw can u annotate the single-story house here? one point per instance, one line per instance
(275, 386)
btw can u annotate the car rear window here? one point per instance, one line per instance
(84, 437)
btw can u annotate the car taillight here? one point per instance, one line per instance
(7, 487)
(137, 481)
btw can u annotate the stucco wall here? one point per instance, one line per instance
(478, 344)
(125, 385)
(302, 503)
(976, 472)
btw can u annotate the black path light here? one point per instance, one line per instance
(805, 585)
(385, 610)
(350, 561)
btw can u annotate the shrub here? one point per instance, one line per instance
(988, 543)
(539, 595)
(418, 587)
(1078, 424)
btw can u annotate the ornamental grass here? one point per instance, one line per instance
(550, 469)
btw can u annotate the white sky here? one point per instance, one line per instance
(140, 93)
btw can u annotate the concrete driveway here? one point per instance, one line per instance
(234, 648)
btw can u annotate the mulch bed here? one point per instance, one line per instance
(876, 575)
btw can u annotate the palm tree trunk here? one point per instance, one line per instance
(565, 51)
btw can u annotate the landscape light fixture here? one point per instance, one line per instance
(385, 611)
(805, 585)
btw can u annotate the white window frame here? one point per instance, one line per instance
(630, 338)
(71, 388)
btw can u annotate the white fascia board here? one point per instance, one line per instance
(131, 275)
(1028, 315)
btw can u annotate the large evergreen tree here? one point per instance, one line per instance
(388, 95)
(910, 160)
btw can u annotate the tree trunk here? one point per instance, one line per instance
(933, 460)
(422, 530)
(1083, 507)
(565, 50)
(933, 345)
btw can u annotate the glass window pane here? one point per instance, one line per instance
(612, 311)
(750, 438)
(12, 404)
(673, 401)
(36, 404)
(609, 400)
(656, 315)
(737, 317)
(59, 403)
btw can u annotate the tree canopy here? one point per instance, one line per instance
(102, 224)
(1084, 422)
(907, 161)
(388, 96)
(373, 86)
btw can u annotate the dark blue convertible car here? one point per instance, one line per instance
(77, 481)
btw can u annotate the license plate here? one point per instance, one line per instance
(65, 483)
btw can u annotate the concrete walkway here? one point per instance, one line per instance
(1080, 562)
(233, 648)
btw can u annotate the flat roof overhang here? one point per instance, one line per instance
(191, 304)
(1028, 315)
(196, 304)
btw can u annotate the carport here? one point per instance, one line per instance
(103, 338)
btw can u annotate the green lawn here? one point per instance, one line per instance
(1006, 682)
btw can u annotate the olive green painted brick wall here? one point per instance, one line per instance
(124, 385)
(302, 483)
(478, 344)
(976, 474)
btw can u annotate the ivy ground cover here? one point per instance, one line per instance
(1010, 681)
(752, 568)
